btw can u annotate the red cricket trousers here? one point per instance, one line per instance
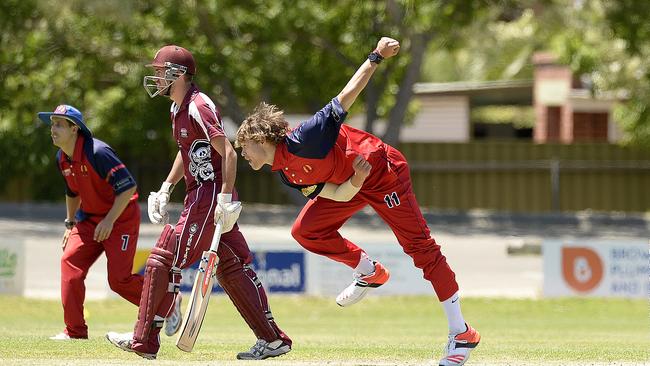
(388, 190)
(82, 251)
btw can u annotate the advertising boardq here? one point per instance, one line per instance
(12, 268)
(279, 271)
(596, 268)
(283, 269)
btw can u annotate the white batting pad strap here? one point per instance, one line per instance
(158, 321)
(173, 287)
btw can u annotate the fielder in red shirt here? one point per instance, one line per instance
(208, 162)
(343, 169)
(102, 216)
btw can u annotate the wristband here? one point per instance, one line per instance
(375, 57)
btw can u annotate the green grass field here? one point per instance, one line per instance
(380, 330)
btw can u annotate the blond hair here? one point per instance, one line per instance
(265, 124)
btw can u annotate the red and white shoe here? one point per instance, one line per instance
(361, 284)
(459, 346)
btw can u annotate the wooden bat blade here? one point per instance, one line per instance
(198, 303)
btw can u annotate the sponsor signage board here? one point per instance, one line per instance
(596, 268)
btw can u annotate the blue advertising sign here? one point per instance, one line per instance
(280, 272)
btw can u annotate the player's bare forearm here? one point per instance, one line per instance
(228, 162)
(120, 203)
(229, 165)
(386, 48)
(357, 83)
(348, 189)
(357, 180)
(72, 205)
(176, 173)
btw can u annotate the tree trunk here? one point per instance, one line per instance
(372, 101)
(419, 44)
(373, 92)
(231, 108)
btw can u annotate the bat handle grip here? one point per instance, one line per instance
(216, 237)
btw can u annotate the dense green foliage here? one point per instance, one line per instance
(297, 54)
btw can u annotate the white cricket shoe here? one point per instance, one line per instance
(174, 320)
(263, 349)
(361, 284)
(61, 337)
(458, 347)
(123, 341)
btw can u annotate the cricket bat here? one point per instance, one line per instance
(200, 297)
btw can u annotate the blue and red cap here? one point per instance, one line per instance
(68, 112)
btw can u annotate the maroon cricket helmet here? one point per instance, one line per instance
(175, 55)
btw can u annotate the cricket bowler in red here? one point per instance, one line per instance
(208, 162)
(343, 169)
(103, 216)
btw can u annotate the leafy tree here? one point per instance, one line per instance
(297, 54)
(627, 19)
(24, 81)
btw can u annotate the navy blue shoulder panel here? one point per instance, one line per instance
(107, 165)
(313, 139)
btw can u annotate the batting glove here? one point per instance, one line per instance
(157, 204)
(227, 211)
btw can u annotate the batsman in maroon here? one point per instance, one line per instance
(208, 162)
(103, 216)
(341, 170)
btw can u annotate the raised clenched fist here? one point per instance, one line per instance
(362, 169)
(387, 47)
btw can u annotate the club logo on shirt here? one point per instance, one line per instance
(183, 132)
(84, 170)
(308, 190)
(307, 168)
(193, 228)
(200, 163)
(124, 182)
